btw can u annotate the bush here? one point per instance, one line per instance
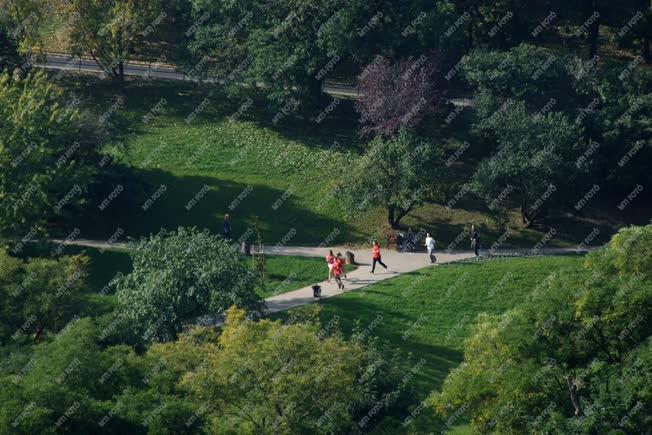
(180, 275)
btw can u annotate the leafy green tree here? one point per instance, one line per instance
(527, 73)
(180, 275)
(621, 125)
(267, 377)
(73, 384)
(256, 43)
(48, 154)
(534, 158)
(394, 173)
(574, 358)
(22, 27)
(112, 32)
(39, 294)
(9, 57)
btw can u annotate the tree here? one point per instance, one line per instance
(277, 46)
(534, 157)
(48, 154)
(180, 275)
(268, 377)
(396, 95)
(526, 100)
(75, 384)
(574, 358)
(528, 73)
(112, 32)
(39, 295)
(22, 24)
(9, 57)
(622, 127)
(394, 173)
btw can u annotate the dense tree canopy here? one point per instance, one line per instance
(574, 358)
(40, 294)
(268, 377)
(48, 153)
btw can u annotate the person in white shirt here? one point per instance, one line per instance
(430, 246)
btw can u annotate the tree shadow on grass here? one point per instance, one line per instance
(170, 201)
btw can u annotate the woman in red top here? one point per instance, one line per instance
(330, 261)
(375, 255)
(338, 267)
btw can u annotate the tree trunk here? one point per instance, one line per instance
(316, 94)
(525, 217)
(573, 398)
(470, 32)
(38, 336)
(395, 214)
(121, 75)
(391, 209)
(594, 32)
(645, 51)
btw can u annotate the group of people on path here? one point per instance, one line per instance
(336, 268)
(336, 262)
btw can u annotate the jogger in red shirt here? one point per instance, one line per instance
(375, 255)
(338, 267)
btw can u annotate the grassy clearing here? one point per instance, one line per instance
(429, 313)
(207, 153)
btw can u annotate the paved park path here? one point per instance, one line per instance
(66, 62)
(397, 262)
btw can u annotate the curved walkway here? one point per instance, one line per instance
(397, 262)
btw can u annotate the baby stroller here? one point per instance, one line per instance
(406, 242)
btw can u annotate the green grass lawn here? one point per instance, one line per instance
(429, 312)
(232, 158)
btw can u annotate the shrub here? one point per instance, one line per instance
(180, 275)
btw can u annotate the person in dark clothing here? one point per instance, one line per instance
(227, 227)
(475, 240)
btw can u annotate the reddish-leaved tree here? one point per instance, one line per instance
(396, 95)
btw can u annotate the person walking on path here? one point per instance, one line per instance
(430, 246)
(330, 262)
(376, 258)
(338, 267)
(475, 240)
(227, 227)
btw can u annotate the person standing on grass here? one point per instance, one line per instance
(475, 240)
(330, 262)
(227, 227)
(375, 256)
(430, 246)
(338, 267)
